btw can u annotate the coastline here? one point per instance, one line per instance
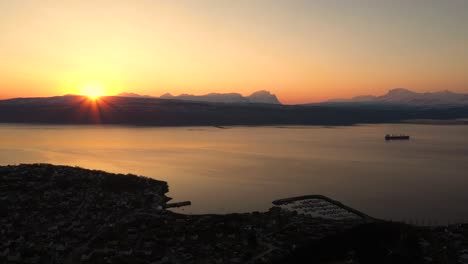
(73, 215)
(428, 121)
(161, 112)
(462, 121)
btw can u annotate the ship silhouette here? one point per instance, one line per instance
(397, 137)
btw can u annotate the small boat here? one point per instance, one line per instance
(397, 137)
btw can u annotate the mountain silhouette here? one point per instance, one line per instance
(408, 97)
(264, 97)
(126, 94)
(163, 112)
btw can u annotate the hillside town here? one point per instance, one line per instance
(59, 214)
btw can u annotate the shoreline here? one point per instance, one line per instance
(75, 215)
(442, 122)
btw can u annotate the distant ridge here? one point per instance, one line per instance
(211, 97)
(264, 97)
(125, 94)
(120, 110)
(408, 97)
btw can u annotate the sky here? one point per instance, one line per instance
(303, 51)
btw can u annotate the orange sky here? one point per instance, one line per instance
(303, 51)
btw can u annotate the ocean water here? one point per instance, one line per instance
(239, 169)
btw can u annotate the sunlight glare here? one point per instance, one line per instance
(93, 90)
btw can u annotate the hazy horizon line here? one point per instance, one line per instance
(136, 94)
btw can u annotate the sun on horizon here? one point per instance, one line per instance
(93, 90)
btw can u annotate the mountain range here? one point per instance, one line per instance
(150, 111)
(397, 96)
(263, 97)
(408, 97)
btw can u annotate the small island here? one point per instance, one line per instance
(61, 214)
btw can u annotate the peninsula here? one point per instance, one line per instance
(144, 111)
(60, 214)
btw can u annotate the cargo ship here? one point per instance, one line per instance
(397, 137)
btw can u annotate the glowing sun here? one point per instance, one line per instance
(93, 90)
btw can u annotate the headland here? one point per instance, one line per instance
(61, 214)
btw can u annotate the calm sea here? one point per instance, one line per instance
(239, 169)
